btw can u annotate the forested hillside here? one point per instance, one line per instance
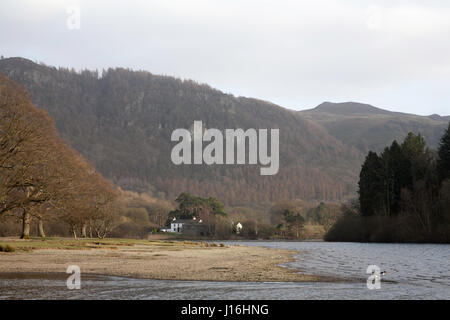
(122, 121)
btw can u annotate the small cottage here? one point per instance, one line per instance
(177, 225)
(191, 227)
(238, 227)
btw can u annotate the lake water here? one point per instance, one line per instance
(413, 271)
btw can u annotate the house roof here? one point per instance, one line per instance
(184, 221)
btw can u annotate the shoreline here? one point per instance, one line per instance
(172, 260)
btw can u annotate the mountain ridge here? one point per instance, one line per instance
(370, 128)
(353, 107)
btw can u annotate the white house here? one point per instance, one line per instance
(238, 227)
(176, 225)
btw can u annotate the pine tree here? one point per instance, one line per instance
(399, 175)
(372, 186)
(413, 146)
(443, 164)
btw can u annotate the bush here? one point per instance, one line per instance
(266, 231)
(131, 230)
(7, 248)
(348, 228)
(223, 228)
(403, 228)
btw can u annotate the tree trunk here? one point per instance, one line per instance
(83, 231)
(41, 227)
(74, 232)
(25, 225)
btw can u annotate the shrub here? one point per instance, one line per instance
(6, 248)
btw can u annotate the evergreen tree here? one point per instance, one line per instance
(190, 206)
(443, 164)
(372, 186)
(413, 146)
(294, 221)
(398, 176)
(414, 149)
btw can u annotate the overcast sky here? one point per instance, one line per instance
(391, 54)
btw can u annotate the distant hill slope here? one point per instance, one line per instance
(122, 122)
(366, 127)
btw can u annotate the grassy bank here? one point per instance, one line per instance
(94, 243)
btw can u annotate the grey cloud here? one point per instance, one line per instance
(293, 53)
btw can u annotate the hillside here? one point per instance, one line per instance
(366, 127)
(122, 122)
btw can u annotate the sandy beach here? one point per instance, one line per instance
(168, 260)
